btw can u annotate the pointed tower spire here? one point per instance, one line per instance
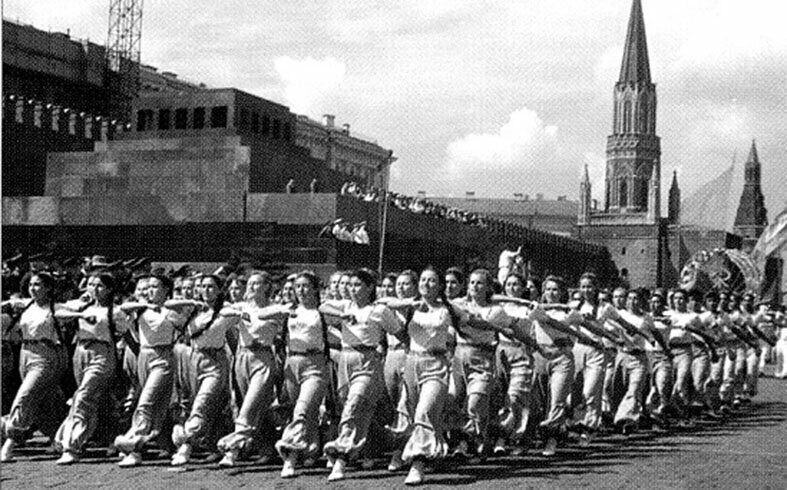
(674, 200)
(753, 158)
(752, 216)
(635, 66)
(583, 217)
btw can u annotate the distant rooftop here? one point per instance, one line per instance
(524, 206)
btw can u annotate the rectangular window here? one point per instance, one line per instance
(286, 131)
(276, 128)
(181, 118)
(255, 122)
(266, 124)
(163, 119)
(144, 120)
(218, 117)
(199, 118)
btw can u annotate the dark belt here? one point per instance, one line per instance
(633, 352)
(210, 350)
(308, 352)
(429, 353)
(88, 342)
(359, 348)
(508, 343)
(47, 342)
(483, 347)
(257, 346)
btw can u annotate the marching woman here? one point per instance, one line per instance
(473, 363)
(420, 413)
(631, 365)
(305, 370)
(100, 323)
(396, 354)
(659, 396)
(42, 362)
(681, 341)
(590, 361)
(360, 380)
(554, 361)
(514, 364)
(255, 368)
(158, 326)
(209, 367)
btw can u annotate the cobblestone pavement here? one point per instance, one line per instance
(747, 451)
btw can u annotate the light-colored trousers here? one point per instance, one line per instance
(472, 374)
(554, 375)
(630, 374)
(515, 380)
(39, 397)
(360, 386)
(683, 356)
(255, 378)
(661, 379)
(589, 369)
(94, 371)
(420, 412)
(155, 374)
(305, 384)
(209, 371)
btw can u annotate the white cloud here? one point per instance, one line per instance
(519, 143)
(308, 84)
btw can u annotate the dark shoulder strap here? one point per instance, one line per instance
(15, 319)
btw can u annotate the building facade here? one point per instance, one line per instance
(363, 160)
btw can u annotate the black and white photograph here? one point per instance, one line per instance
(353, 244)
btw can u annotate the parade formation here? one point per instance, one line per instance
(415, 367)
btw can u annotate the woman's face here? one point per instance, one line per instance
(258, 287)
(532, 290)
(344, 287)
(236, 291)
(141, 290)
(453, 288)
(679, 300)
(97, 289)
(37, 288)
(405, 287)
(513, 287)
(360, 292)
(289, 292)
(388, 287)
(429, 285)
(619, 298)
(633, 303)
(210, 290)
(157, 292)
(187, 289)
(333, 286)
(588, 290)
(477, 287)
(304, 290)
(551, 292)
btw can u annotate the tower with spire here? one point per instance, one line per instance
(752, 217)
(673, 214)
(633, 149)
(629, 222)
(585, 197)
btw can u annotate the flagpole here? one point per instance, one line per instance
(384, 220)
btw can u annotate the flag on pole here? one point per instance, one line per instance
(773, 238)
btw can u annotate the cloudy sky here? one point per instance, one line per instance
(496, 96)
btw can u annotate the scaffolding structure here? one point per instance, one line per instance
(124, 42)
